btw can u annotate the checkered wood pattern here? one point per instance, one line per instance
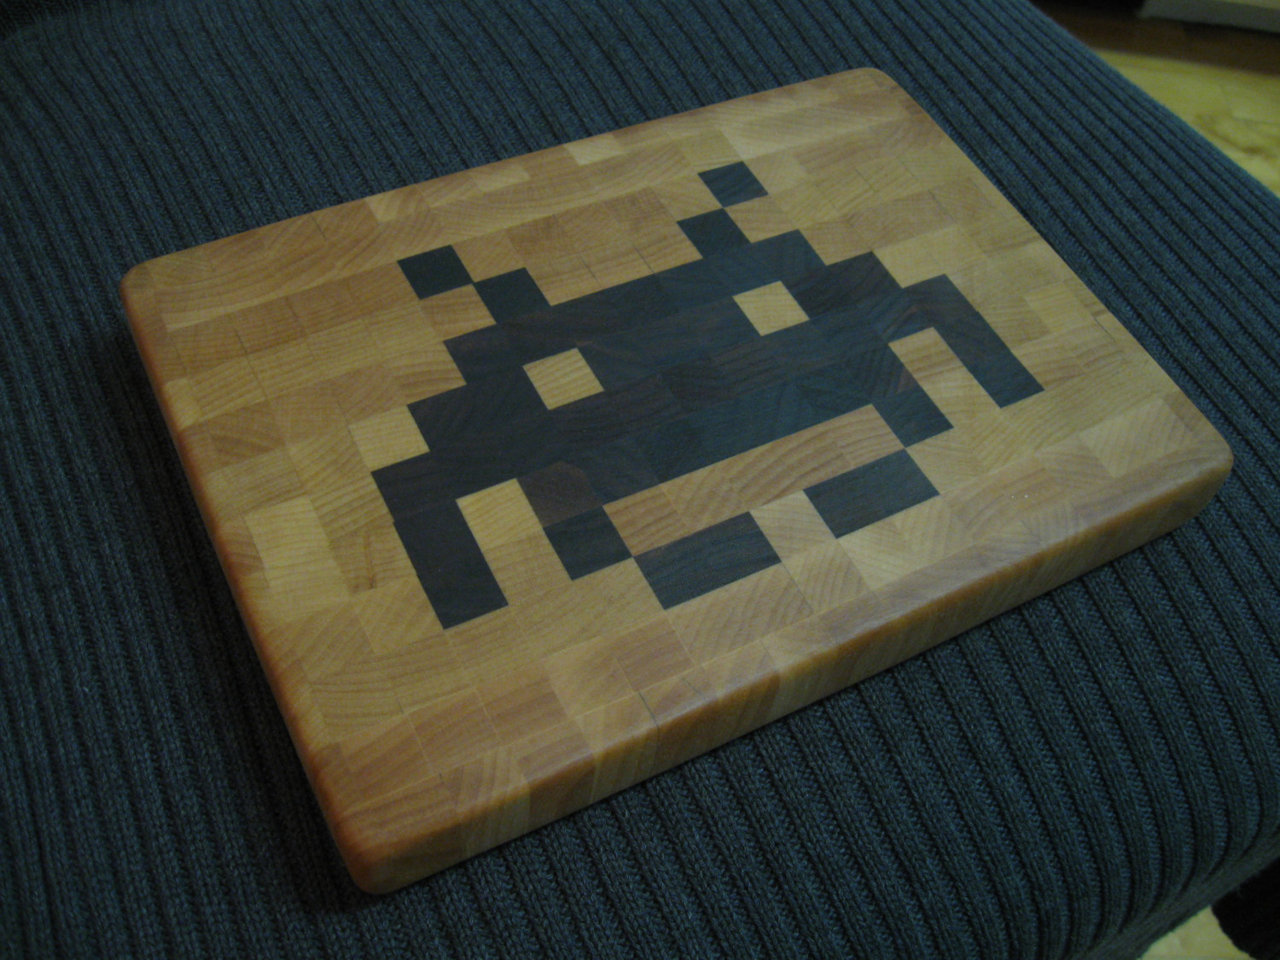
(288, 361)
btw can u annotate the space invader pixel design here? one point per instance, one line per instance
(609, 394)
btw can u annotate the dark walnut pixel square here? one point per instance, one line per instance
(537, 479)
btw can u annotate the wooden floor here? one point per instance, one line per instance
(1226, 84)
(1200, 938)
(1223, 82)
(1238, 111)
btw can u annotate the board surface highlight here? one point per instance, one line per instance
(534, 480)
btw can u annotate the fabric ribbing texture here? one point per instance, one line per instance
(1070, 779)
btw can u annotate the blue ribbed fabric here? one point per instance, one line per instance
(1068, 780)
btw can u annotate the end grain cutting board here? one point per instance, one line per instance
(537, 479)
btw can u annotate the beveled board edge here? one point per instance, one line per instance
(383, 853)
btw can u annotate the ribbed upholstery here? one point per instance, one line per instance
(1069, 780)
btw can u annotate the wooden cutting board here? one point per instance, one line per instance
(537, 479)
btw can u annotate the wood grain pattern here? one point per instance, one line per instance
(537, 479)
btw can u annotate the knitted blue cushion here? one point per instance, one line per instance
(1069, 780)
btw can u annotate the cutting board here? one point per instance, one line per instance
(537, 479)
